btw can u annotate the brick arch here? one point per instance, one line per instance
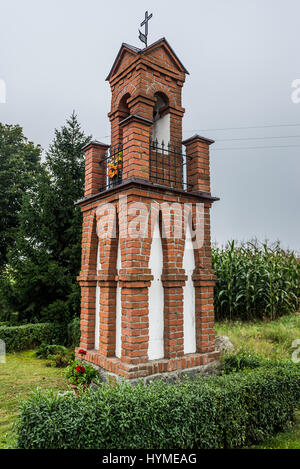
(123, 106)
(127, 89)
(155, 87)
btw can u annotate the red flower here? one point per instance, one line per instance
(82, 352)
(80, 369)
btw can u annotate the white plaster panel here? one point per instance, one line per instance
(156, 298)
(189, 328)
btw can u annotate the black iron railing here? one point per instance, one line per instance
(168, 165)
(112, 167)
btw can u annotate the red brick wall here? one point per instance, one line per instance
(134, 81)
(135, 278)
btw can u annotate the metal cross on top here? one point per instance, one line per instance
(143, 37)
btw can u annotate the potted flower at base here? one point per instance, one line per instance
(80, 375)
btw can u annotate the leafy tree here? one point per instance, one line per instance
(19, 163)
(47, 257)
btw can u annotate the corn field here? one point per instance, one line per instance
(255, 280)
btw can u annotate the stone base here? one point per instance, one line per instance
(191, 365)
(170, 377)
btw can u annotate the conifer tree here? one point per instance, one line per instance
(19, 163)
(47, 257)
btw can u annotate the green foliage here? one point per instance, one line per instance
(228, 411)
(46, 258)
(272, 339)
(255, 281)
(244, 359)
(58, 355)
(46, 350)
(19, 163)
(80, 373)
(61, 359)
(19, 166)
(28, 336)
(74, 332)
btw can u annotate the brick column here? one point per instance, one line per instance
(135, 279)
(107, 310)
(142, 106)
(95, 173)
(173, 281)
(173, 278)
(204, 282)
(136, 136)
(88, 312)
(135, 284)
(87, 280)
(176, 115)
(108, 247)
(116, 132)
(198, 172)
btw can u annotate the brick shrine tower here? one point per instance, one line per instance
(146, 286)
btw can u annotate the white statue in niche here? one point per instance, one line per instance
(161, 119)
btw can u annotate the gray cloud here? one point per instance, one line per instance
(242, 57)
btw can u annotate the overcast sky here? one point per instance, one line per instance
(242, 55)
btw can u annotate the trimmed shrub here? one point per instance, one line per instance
(228, 411)
(255, 281)
(28, 336)
(59, 356)
(237, 362)
(48, 350)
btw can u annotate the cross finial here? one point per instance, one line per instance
(143, 37)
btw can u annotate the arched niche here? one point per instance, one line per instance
(123, 112)
(161, 119)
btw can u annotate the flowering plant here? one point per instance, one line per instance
(115, 166)
(78, 374)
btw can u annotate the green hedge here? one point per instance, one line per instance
(234, 410)
(28, 336)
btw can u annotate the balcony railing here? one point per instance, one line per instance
(112, 167)
(167, 166)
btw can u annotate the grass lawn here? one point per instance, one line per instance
(272, 339)
(285, 440)
(21, 374)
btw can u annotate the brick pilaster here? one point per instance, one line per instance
(198, 167)
(106, 277)
(135, 284)
(87, 280)
(136, 136)
(173, 281)
(95, 173)
(204, 282)
(173, 278)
